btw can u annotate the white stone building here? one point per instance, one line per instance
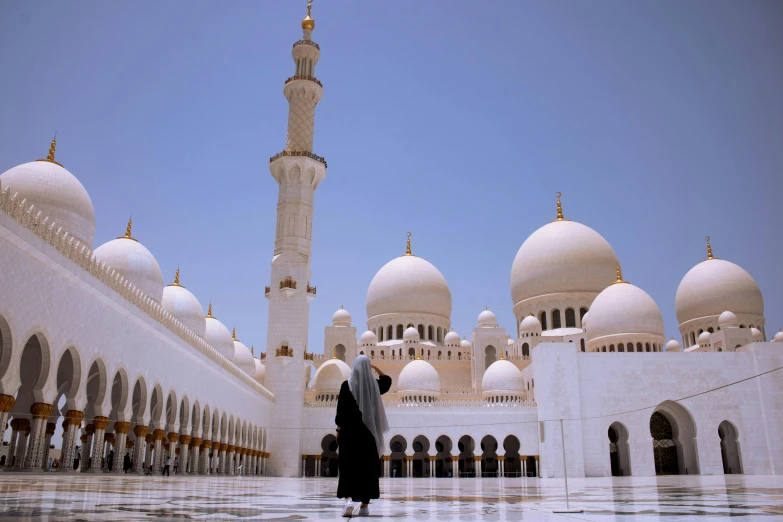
(588, 359)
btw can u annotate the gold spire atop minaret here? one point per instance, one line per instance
(209, 311)
(176, 279)
(709, 248)
(559, 207)
(408, 247)
(619, 276)
(234, 334)
(128, 230)
(52, 147)
(308, 22)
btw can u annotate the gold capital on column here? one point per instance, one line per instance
(477, 458)
(148, 438)
(206, 444)
(230, 448)
(216, 445)
(184, 439)
(50, 427)
(100, 423)
(501, 458)
(409, 457)
(387, 458)
(173, 436)
(129, 444)
(41, 410)
(6, 403)
(433, 458)
(223, 446)
(90, 429)
(317, 457)
(195, 441)
(122, 427)
(158, 434)
(109, 437)
(74, 417)
(140, 430)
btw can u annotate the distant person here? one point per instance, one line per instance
(126, 463)
(110, 460)
(2, 460)
(361, 423)
(167, 466)
(176, 465)
(49, 465)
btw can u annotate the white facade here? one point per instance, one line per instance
(94, 338)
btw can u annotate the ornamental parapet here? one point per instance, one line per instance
(287, 283)
(284, 351)
(308, 78)
(307, 42)
(311, 289)
(304, 153)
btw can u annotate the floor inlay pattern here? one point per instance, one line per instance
(55, 497)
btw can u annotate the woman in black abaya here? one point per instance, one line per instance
(361, 423)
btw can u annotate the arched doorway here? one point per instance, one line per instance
(329, 457)
(397, 466)
(489, 457)
(490, 356)
(421, 461)
(729, 448)
(511, 464)
(674, 440)
(339, 352)
(466, 445)
(619, 454)
(443, 457)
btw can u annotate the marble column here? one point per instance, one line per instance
(140, 431)
(121, 430)
(538, 466)
(206, 448)
(73, 420)
(230, 459)
(501, 465)
(9, 459)
(184, 454)
(386, 459)
(157, 437)
(215, 458)
(432, 465)
(100, 424)
(195, 446)
(455, 467)
(40, 412)
(172, 437)
(223, 468)
(317, 465)
(6, 405)
(409, 466)
(477, 464)
(21, 444)
(304, 466)
(86, 438)
(523, 465)
(50, 427)
(149, 442)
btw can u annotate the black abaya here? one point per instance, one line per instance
(358, 457)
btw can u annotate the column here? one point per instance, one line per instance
(157, 462)
(139, 446)
(195, 446)
(109, 445)
(6, 405)
(230, 459)
(455, 466)
(50, 427)
(409, 466)
(73, 420)
(40, 412)
(317, 465)
(266, 461)
(86, 439)
(304, 466)
(538, 466)
(501, 465)
(121, 430)
(252, 458)
(523, 465)
(215, 457)
(223, 469)
(477, 461)
(21, 444)
(9, 459)
(206, 446)
(184, 453)
(100, 424)
(386, 465)
(173, 437)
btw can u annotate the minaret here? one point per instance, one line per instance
(297, 172)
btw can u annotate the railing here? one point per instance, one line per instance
(287, 283)
(284, 351)
(310, 289)
(267, 290)
(308, 78)
(304, 153)
(307, 42)
(308, 356)
(440, 403)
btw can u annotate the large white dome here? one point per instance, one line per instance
(561, 257)
(242, 356)
(182, 304)
(502, 377)
(260, 373)
(408, 284)
(56, 193)
(623, 308)
(714, 286)
(330, 376)
(133, 262)
(418, 377)
(218, 336)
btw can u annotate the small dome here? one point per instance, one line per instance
(243, 358)
(419, 376)
(56, 193)
(133, 262)
(218, 336)
(502, 377)
(756, 334)
(584, 321)
(623, 308)
(411, 335)
(183, 305)
(341, 318)
(728, 320)
(330, 376)
(713, 286)
(487, 319)
(451, 339)
(465, 345)
(408, 284)
(704, 338)
(260, 373)
(368, 338)
(530, 325)
(673, 346)
(778, 337)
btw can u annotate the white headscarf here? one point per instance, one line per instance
(364, 389)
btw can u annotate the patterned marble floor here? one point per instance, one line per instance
(54, 497)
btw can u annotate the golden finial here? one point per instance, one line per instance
(709, 248)
(52, 147)
(619, 276)
(408, 248)
(176, 277)
(334, 353)
(209, 311)
(559, 206)
(308, 22)
(418, 354)
(501, 355)
(128, 230)
(234, 334)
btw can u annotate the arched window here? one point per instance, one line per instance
(439, 354)
(429, 333)
(638, 347)
(525, 350)
(400, 353)
(603, 348)
(459, 356)
(582, 342)
(542, 318)
(555, 319)
(440, 334)
(380, 333)
(421, 332)
(711, 330)
(390, 334)
(611, 347)
(570, 318)
(693, 338)
(382, 355)
(399, 331)
(582, 312)
(372, 354)
(647, 347)
(449, 355)
(621, 347)
(411, 353)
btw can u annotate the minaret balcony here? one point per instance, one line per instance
(284, 351)
(303, 153)
(287, 287)
(266, 291)
(307, 42)
(308, 78)
(310, 292)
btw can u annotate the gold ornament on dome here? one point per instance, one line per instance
(128, 230)
(408, 246)
(52, 147)
(560, 217)
(619, 276)
(308, 22)
(176, 279)
(209, 311)
(709, 248)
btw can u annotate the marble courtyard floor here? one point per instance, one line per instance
(54, 497)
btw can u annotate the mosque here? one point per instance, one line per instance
(585, 382)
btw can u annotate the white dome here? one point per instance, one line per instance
(133, 262)
(368, 338)
(56, 193)
(244, 359)
(182, 304)
(673, 346)
(408, 284)
(778, 337)
(713, 286)
(341, 318)
(465, 344)
(218, 336)
(728, 320)
(704, 338)
(584, 321)
(260, 372)
(487, 319)
(624, 309)
(418, 376)
(756, 335)
(411, 335)
(330, 376)
(451, 339)
(530, 325)
(502, 377)
(563, 256)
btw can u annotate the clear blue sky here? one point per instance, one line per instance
(661, 122)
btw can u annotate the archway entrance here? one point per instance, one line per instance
(490, 356)
(397, 459)
(511, 466)
(674, 441)
(489, 458)
(421, 461)
(466, 445)
(729, 448)
(443, 462)
(619, 454)
(329, 457)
